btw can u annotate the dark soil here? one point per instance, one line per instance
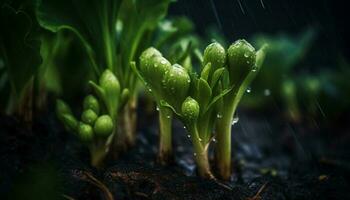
(273, 159)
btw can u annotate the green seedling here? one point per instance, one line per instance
(191, 97)
(112, 33)
(93, 130)
(97, 126)
(158, 76)
(243, 64)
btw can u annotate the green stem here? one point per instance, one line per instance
(200, 153)
(98, 154)
(223, 146)
(223, 126)
(165, 141)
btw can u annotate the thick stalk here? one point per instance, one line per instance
(126, 129)
(223, 146)
(98, 154)
(165, 153)
(200, 154)
(223, 137)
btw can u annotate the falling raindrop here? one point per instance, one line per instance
(216, 14)
(262, 4)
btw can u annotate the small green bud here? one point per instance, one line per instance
(215, 54)
(85, 132)
(90, 102)
(109, 82)
(69, 122)
(89, 116)
(153, 67)
(149, 53)
(110, 93)
(190, 109)
(175, 84)
(62, 108)
(103, 126)
(241, 60)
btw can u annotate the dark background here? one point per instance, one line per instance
(244, 18)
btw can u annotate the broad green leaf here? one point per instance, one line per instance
(93, 21)
(19, 45)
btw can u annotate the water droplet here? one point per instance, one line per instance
(188, 81)
(254, 68)
(200, 139)
(246, 54)
(249, 90)
(155, 65)
(168, 116)
(157, 108)
(149, 89)
(267, 92)
(195, 154)
(235, 120)
(219, 116)
(184, 127)
(214, 140)
(189, 136)
(163, 62)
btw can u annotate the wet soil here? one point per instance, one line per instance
(272, 159)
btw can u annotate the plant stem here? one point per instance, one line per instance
(165, 142)
(223, 147)
(98, 154)
(200, 154)
(223, 137)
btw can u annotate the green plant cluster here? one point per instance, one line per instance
(95, 129)
(201, 100)
(70, 47)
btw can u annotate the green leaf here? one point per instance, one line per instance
(170, 31)
(166, 104)
(93, 21)
(216, 76)
(19, 45)
(204, 93)
(217, 98)
(206, 71)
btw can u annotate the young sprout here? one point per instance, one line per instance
(113, 99)
(96, 128)
(158, 75)
(243, 64)
(191, 98)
